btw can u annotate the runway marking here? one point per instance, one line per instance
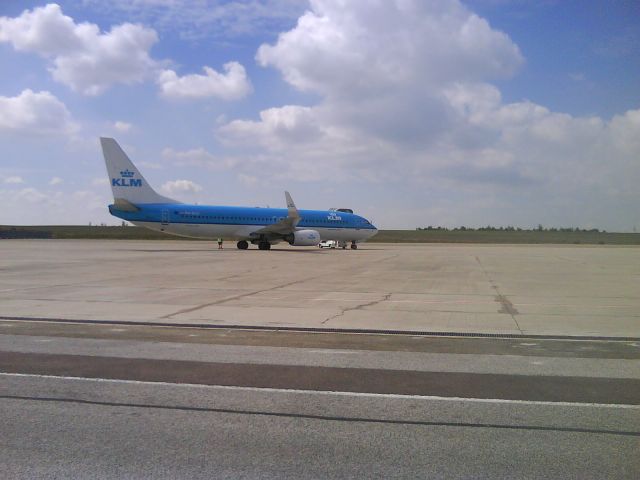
(327, 392)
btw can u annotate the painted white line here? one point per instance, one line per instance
(336, 393)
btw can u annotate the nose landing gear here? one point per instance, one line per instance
(354, 245)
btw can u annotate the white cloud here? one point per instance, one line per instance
(100, 182)
(32, 196)
(76, 203)
(405, 98)
(14, 180)
(302, 143)
(122, 127)
(278, 127)
(248, 180)
(291, 126)
(31, 206)
(180, 186)
(152, 165)
(199, 157)
(358, 48)
(625, 130)
(87, 197)
(382, 68)
(35, 113)
(195, 156)
(82, 57)
(231, 85)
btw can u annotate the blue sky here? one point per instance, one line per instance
(413, 113)
(582, 56)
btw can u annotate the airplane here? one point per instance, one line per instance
(137, 202)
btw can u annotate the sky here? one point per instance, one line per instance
(410, 112)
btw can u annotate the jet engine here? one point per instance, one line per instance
(303, 238)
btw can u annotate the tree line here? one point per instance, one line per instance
(510, 228)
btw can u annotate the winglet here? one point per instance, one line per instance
(293, 211)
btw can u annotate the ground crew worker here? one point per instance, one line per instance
(219, 244)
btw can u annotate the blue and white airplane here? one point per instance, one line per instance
(138, 203)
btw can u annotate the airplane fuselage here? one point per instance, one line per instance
(209, 222)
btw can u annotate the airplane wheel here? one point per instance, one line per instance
(354, 246)
(243, 244)
(264, 246)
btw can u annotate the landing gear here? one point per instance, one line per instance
(243, 245)
(264, 246)
(354, 246)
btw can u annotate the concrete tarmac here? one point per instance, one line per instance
(126, 400)
(500, 289)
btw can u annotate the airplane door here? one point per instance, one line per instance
(165, 217)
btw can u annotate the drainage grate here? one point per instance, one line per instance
(424, 333)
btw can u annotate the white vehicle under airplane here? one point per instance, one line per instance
(136, 202)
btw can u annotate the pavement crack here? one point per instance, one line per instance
(243, 295)
(505, 304)
(327, 417)
(235, 297)
(357, 307)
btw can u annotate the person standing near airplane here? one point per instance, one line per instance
(219, 244)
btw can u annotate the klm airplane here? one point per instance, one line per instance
(138, 203)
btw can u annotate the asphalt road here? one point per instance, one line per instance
(174, 431)
(157, 402)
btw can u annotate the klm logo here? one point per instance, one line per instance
(334, 217)
(127, 180)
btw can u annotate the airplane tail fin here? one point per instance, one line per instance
(127, 183)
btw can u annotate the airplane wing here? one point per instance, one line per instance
(286, 224)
